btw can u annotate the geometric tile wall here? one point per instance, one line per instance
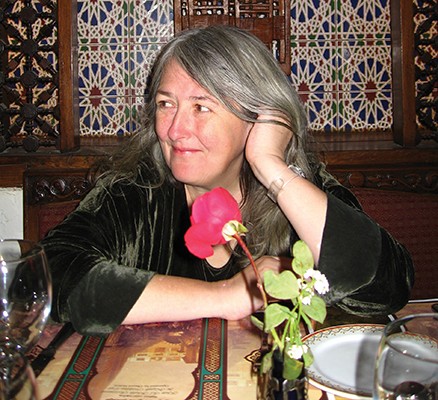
(341, 62)
(117, 41)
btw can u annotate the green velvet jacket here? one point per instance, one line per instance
(104, 254)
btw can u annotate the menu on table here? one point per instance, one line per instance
(208, 359)
(201, 359)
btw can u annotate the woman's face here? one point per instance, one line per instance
(202, 142)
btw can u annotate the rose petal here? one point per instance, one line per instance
(216, 207)
(196, 242)
(210, 212)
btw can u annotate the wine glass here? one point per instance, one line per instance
(25, 293)
(17, 380)
(407, 359)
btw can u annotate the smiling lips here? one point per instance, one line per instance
(183, 150)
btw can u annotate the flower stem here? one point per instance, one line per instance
(251, 261)
(279, 342)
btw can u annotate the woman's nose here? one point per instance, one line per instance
(180, 126)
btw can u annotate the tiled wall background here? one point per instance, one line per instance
(117, 41)
(341, 62)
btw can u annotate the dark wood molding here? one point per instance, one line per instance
(67, 64)
(11, 175)
(419, 179)
(49, 195)
(397, 168)
(403, 74)
(12, 167)
(269, 21)
(49, 185)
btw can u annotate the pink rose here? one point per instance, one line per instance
(210, 212)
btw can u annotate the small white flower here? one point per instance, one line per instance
(297, 351)
(306, 298)
(321, 283)
(311, 273)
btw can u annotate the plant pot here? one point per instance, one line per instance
(272, 385)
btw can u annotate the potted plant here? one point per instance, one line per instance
(294, 294)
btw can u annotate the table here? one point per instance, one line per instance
(202, 359)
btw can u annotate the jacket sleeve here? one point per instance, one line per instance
(369, 272)
(101, 258)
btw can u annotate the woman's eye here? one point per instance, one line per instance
(164, 104)
(201, 108)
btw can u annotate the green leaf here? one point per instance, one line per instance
(307, 321)
(283, 286)
(308, 358)
(275, 314)
(303, 258)
(291, 368)
(257, 323)
(316, 310)
(266, 364)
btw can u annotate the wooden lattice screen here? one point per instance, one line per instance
(268, 20)
(426, 67)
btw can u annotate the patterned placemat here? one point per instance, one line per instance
(210, 374)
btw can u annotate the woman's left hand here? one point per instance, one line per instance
(265, 148)
(303, 204)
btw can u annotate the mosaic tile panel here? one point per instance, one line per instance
(103, 21)
(313, 20)
(152, 21)
(118, 41)
(363, 18)
(364, 84)
(341, 62)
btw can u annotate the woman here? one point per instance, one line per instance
(219, 112)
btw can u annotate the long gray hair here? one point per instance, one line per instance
(239, 71)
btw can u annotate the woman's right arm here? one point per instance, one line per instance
(110, 263)
(172, 298)
(110, 295)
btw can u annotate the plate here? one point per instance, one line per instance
(344, 359)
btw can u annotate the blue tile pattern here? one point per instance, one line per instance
(341, 62)
(118, 41)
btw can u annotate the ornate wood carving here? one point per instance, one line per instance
(29, 112)
(426, 67)
(41, 190)
(268, 20)
(421, 181)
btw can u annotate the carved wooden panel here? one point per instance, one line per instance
(406, 180)
(49, 196)
(38, 110)
(269, 20)
(29, 113)
(426, 67)
(43, 187)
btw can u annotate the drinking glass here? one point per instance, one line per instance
(407, 359)
(17, 380)
(25, 293)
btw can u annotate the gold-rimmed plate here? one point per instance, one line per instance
(344, 358)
